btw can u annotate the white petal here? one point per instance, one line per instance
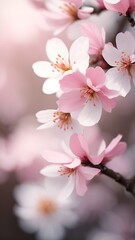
(119, 81)
(51, 85)
(68, 189)
(55, 47)
(51, 170)
(79, 57)
(44, 69)
(111, 54)
(125, 42)
(91, 113)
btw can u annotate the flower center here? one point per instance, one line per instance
(64, 120)
(88, 93)
(66, 171)
(46, 206)
(70, 9)
(60, 65)
(124, 63)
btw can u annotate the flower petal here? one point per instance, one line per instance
(111, 54)
(51, 170)
(56, 47)
(91, 113)
(119, 81)
(121, 41)
(51, 85)
(44, 69)
(56, 157)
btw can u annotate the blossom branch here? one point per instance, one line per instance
(127, 183)
(130, 19)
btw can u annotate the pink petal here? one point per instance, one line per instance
(89, 172)
(70, 101)
(73, 81)
(78, 145)
(56, 157)
(81, 187)
(96, 75)
(76, 162)
(108, 104)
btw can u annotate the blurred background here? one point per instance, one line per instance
(107, 211)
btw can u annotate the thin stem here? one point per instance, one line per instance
(129, 184)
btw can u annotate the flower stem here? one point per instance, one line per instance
(129, 184)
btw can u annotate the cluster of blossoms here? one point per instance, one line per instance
(87, 79)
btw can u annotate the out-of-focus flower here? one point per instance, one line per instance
(121, 6)
(44, 209)
(85, 96)
(122, 60)
(62, 61)
(61, 14)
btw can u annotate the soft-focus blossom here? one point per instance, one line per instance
(122, 60)
(121, 6)
(96, 37)
(61, 14)
(62, 61)
(85, 96)
(44, 210)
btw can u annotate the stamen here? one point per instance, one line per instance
(60, 65)
(124, 63)
(66, 171)
(70, 9)
(46, 206)
(88, 93)
(64, 120)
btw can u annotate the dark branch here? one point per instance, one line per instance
(130, 19)
(129, 184)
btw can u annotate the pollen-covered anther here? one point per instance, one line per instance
(64, 120)
(70, 9)
(88, 93)
(124, 63)
(46, 206)
(66, 171)
(60, 64)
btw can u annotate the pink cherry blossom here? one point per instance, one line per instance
(61, 14)
(122, 60)
(96, 37)
(85, 96)
(70, 167)
(114, 149)
(121, 6)
(62, 61)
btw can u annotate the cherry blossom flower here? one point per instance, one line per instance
(44, 210)
(62, 62)
(122, 60)
(96, 37)
(61, 14)
(121, 6)
(82, 148)
(85, 96)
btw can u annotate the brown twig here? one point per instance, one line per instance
(130, 19)
(129, 184)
